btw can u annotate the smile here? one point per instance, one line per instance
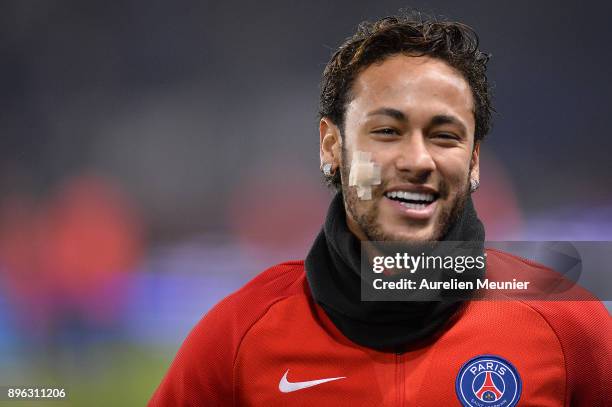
(411, 200)
(416, 205)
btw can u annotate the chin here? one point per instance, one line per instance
(410, 234)
(417, 236)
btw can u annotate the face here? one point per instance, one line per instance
(415, 116)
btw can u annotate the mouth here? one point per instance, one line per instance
(413, 204)
(412, 200)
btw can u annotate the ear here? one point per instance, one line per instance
(330, 143)
(475, 162)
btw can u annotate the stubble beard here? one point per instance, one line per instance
(368, 220)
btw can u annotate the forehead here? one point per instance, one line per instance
(414, 85)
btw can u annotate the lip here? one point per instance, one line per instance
(423, 189)
(415, 214)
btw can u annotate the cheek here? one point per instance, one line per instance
(361, 142)
(453, 168)
(382, 154)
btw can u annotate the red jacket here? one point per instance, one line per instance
(268, 344)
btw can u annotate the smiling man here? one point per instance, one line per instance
(415, 114)
(405, 104)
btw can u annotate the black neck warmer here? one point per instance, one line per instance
(333, 273)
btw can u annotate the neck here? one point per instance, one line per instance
(333, 273)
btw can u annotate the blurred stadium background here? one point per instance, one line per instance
(155, 155)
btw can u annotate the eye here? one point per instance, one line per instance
(387, 131)
(446, 137)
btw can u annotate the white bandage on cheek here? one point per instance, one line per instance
(364, 174)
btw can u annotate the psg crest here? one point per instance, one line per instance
(488, 381)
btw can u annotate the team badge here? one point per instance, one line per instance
(488, 381)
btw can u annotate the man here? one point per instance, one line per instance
(405, 104)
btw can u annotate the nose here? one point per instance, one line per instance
(414, 158)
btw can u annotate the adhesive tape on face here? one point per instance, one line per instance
(364, 174)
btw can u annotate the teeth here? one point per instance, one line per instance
(413, 196)
(413, 206)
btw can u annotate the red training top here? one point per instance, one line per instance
(269, 344)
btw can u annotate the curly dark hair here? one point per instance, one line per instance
(411, 33)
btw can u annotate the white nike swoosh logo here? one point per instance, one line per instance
(286, 386)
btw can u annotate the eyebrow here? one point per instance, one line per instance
(388, 111)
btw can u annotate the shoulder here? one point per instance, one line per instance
(276, 282)
(237, 312)
(202, 371)
(567, 307)
(584, 332)
(580, 322)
